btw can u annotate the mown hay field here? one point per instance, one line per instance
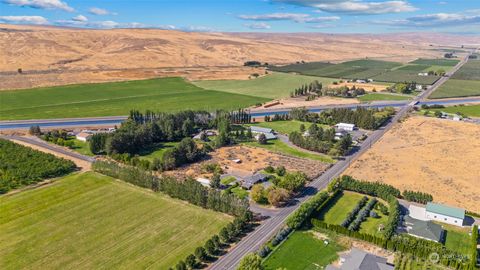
(90, 221)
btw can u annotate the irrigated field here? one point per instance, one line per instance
(89, 221)
(472, 111)
(107, 99)
(426, 154)
(469, 71)
(436, 62)
(273, 86)
(405, 76)
(380, 96)
(457, 88)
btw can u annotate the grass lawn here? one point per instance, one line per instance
(240, 192)
(272, 86)
(284, 127)
(458, 241)
(117, 98)
(370, 225)
(302, 251)
(82, 148)
(472, 110)
(457, 88)
(381, 96)
(338, 208)
(157, 151)
(90, 221)
(227, 180)
(281, 147)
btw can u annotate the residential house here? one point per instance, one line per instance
(345, 126)
(360, 260)
(254, 179)
(83, 136)
(423, 229)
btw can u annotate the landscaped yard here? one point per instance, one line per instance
(472, 110)
(82, 147)
(382, 96)
(337, 210)
(457, 239)
(457, 88)
(157, 150)
(272, 86)
(117, 98)
(281, 147)
(303, 251)
(284, 127)
(370, 226)
(90, 221)
(240, 192)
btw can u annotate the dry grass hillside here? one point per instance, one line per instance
(46, 53)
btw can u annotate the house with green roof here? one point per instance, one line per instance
(445, 214)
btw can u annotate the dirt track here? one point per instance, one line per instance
(437, 156)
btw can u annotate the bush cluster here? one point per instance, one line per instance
(351, 216)
(416, 196)
(362, 215)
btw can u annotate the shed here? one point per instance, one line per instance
(345, 126)
(83, 136)
(268, 136)
(257, 129)
(445, 214)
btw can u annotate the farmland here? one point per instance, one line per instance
(381, 96)
(436, 62)
(469, 71)
(21, 166)
(419, 154)
(457, 88)
(472, 110)
(272, 86)
(303, 250)
(405, 76)
(285, 127)
(107, 99)
(91, 221)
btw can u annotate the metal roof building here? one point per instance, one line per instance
(260, 129)
(446, 214)
(360, 260)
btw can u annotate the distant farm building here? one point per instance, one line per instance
(345, 126)
(204, 181)
(83, 136)
(268, 132)
(423, 74)
(340, 134)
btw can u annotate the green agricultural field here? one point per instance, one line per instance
(436, 62)
(338, 208)
(472, 111)
(457, 88)
(272, 86)
(282, 148)
(285, 127)
(303, 251)
(118, 98)
(382, 96)
(300, 68)
(469, 71)
(156, 151)
(376, 64)
(90, 221)
(413, 68)
(405, 76)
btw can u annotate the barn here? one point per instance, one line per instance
(445, 214)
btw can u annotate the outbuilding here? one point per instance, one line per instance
(345, 126)
(445, 214)
(83, 136)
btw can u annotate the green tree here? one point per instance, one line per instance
(280, 170)
(293, 181)
(224, 235)
(262, 139)
(302, 128)
(251, 262)
(258, 193)
(438, 114)
(201, 254)
(215, 182)
(181, 266)
(277, 196)
(210, 247)
(190, 261)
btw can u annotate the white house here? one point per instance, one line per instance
(268, 132)
(423, 74)
(345, 126)
(445, 214)
(83, 136)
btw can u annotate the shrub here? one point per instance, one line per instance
(264, 251)
(298, 218)
(280, 170)
(416, 196)
(351, 216)
(269, 169)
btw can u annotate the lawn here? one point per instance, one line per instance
(82, 147)
(156, 151)
(457, 88)
(382, 96)
(472, 111)
(272, 86)
(90, 221)
(370, 225)
(338, 208)
(284, 127)
(117, 98)
(302, 251)
(282, 148)
(456, 240)
(240, 192)
(436, 62)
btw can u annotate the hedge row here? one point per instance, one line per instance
(298, 218)
(362, 215)
(351, 216)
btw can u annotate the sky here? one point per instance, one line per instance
(326, 16)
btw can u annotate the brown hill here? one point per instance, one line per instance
(53, 55)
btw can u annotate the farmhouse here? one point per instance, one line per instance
(360, 260)
(423, 229)
(83, 136)
(445, 214)
(345, 126)
(254, 179)
(268, 132)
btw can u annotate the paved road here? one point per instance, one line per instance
(43, 144)
(111, 121)
(269, 227)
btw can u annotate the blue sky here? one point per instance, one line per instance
(329, 16)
